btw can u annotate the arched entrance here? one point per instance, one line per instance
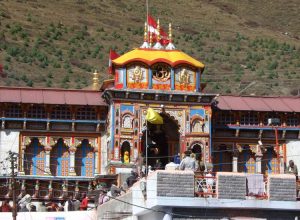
(125, 152)
(270, 163)
(163, 140)
(197, 150)
(60, 159)
(84, 159)
(34, 158)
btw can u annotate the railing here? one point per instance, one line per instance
(205, 185)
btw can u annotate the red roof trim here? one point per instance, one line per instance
(254, 103)
(51, 96)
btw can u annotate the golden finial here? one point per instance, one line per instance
(150, 43)
(158, 31)
(96, 84)
(145, 32)
(170, 32)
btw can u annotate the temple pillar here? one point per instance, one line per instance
(77, 195)
(23, 190)
(36, 189)
(50, 190)
(258, 158)
(47, 160)
(96, 162)
(22, 161)
(64, 190)
(281, 159)
(72, 151)
(235, 163)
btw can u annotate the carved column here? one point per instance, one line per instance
(94, 144)
(64, 190)
(36, 189)
(76, 189)
(50, 190)
(72, 151)
(47, 160)
(23, 190)
(9, 192)
(235, 160)
(281, 159)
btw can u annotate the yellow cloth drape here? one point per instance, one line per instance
(153, 117)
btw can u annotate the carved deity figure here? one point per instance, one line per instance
(137, 75)
(184, 77)
(126, 157)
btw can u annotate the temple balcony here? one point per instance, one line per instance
(52, 188)
(182, 194)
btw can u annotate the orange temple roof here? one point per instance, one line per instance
(151, 56)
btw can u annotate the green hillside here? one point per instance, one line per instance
(249, 47)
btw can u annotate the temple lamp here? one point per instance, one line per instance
(275, 122)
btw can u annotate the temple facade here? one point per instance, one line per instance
(66, 139)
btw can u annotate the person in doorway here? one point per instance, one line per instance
(158, 165)
(292, 168)
(187, 163)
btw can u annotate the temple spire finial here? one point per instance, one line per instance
(158, 45)
(96, 85)
(145, 44)
(170, 45)
(170, 32)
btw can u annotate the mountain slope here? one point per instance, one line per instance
(248, 46)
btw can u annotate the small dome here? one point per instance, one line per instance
(151, 56)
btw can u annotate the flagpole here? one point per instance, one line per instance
(146, 168)
(147, 11)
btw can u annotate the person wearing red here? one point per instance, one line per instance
(84, 203)
(5, 207)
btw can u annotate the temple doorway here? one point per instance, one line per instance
(163, 141)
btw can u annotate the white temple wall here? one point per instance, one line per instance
(9, 141)
(293, 152)
(103, 158)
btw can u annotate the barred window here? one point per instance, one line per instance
(14, 111)
(249, 118)
(271, 115)
(61, 112)
(292, 120)
(36, 111)
(86, 113)
(225, 117)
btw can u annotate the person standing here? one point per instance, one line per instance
(187, 163)
(84, 203)
(292, 168)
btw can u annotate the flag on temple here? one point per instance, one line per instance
(112, 55)
(153, 117)
(152, 29)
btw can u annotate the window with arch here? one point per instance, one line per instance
(61, 112)
(86, 113)
(197, 125)
(13, 111)
(292, 120)
(249, 118)
(36, 111)
(225, 117)
(127, 121)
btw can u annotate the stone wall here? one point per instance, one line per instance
(171, 183)
(231, 185)
(282, 187)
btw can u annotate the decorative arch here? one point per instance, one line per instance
(270, 163)
(85, 158)
(127, 120)
(222, 158)
(60, 158)
(34, 157)
(125, 151)
(197, 124)
(246, 160)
